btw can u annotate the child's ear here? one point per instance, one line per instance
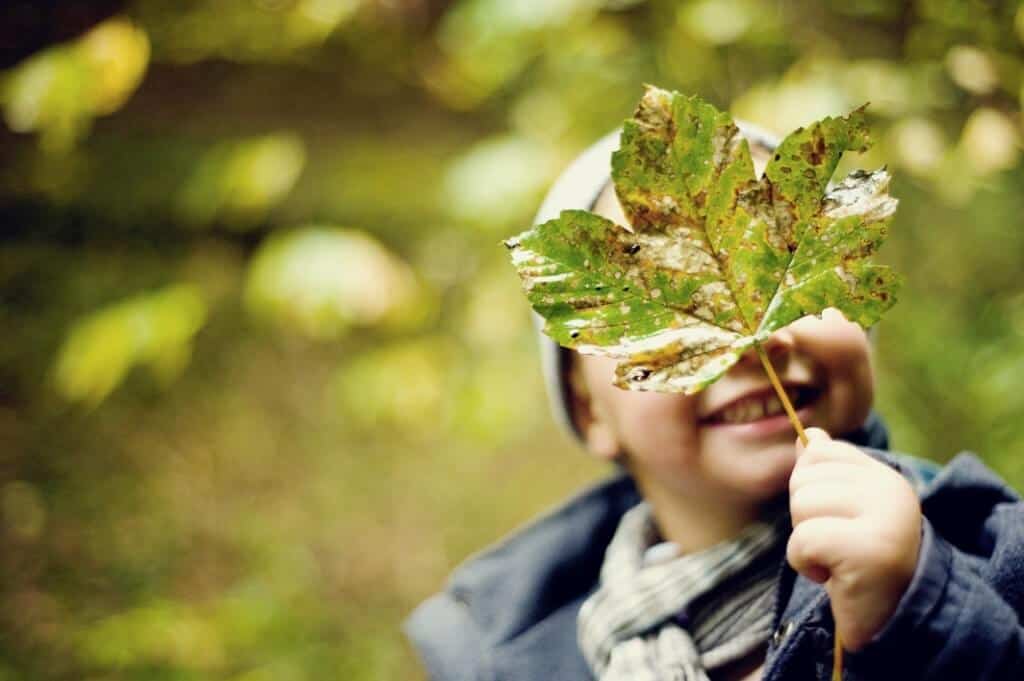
(591, 421)
(601, 440)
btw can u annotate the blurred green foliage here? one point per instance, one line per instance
(59, 91)
(267, 375)
(154, 328)
(236, 182)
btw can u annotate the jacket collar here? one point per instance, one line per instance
(516, 583)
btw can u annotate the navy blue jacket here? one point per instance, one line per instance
(509, 613)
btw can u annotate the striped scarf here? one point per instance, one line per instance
(677, 618)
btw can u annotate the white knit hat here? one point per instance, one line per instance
(579, 187)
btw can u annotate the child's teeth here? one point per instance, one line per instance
(751, 410)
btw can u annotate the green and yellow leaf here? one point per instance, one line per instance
(715, 258)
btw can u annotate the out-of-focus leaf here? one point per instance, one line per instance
(401, 386)
(718, 22)
(321, 281)
(59, 91)
(991, 141)
(486, 43)
(972, 69)
(918, 144)
(238, 182)
(714, 259)
(494, 179)
(157, 634)
(154, 329)
(47, 94)
(484, 321)
(793, 101)
(117, 52)
(818, 87)
(242, 31)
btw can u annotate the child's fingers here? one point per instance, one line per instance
(828, 471)
(825, 499)
(821, 450)
(813, 435)
(815, 546)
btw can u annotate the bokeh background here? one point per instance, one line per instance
(266, 374)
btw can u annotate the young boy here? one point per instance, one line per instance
(726, 550)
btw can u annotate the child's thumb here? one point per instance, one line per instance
(813, 435)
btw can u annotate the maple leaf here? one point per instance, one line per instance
(715, 258)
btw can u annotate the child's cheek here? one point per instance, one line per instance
(657, 425)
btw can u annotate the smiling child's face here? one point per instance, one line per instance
(731, 441)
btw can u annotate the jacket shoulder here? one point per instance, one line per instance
(970, 505)
(446, 638)
(506, 590)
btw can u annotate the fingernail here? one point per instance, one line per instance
(812, 434)
(817, 434)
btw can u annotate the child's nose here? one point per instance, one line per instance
(777, 346)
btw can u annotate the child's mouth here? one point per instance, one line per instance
(762, 407)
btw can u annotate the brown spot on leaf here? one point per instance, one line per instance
(818, 153)
(642, 215)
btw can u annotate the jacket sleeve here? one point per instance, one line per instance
(446, 639)
(961, 616)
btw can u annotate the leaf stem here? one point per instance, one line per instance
(786, 404)
(837, 663)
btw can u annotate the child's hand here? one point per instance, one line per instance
(857, 529)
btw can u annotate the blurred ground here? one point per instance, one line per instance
(266, 372)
